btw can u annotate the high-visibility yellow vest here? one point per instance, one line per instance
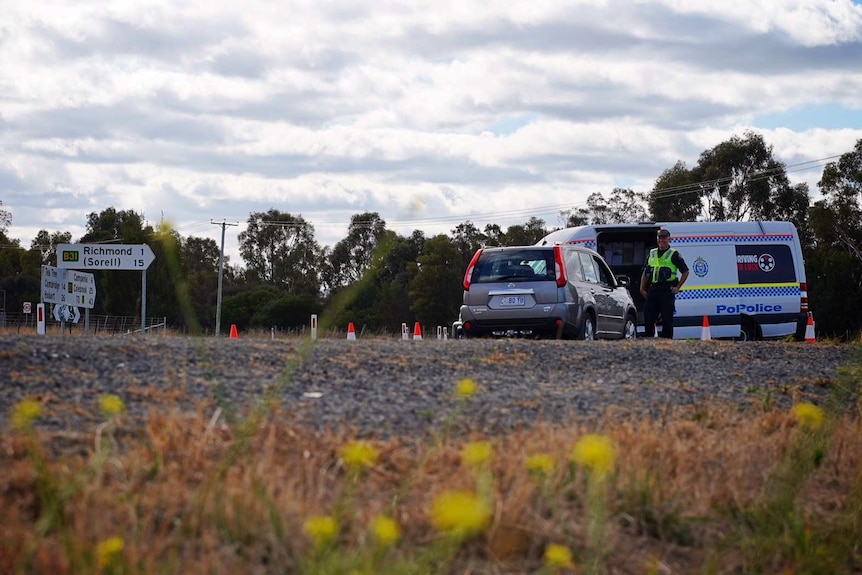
(665, 262)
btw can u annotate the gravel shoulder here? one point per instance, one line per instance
(392, 387)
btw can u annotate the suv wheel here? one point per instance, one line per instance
(588, 329)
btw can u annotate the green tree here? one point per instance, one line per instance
(527, 234)
(674, 197)
(351, 257)
(121, 290)
(46, 244)
(392, 304)
(467, 239)
(279, 249)
(741, 180)
(841, 184)
(199, 258)
(494, 235)
(436, 286)
(834, 263)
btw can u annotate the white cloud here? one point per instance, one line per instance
(430, 113)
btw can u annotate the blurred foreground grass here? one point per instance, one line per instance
(715, 490)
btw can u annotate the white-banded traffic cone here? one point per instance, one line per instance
(351, 332)
(417, 332)
(809, 329)
(705, 334)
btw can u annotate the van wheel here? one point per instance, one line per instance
(588, 329)
(630, 329)
(749, 331)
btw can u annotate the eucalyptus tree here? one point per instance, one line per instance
(467, 238)
(120, 292)
(741, 180)
(436, 285)
(834, 265)
(352, 256)
(841, 184)
(525, 235)
(46, 244)
(279, 249)
(675, 197)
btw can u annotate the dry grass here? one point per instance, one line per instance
(718, 490)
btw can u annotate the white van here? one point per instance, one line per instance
(748, 278)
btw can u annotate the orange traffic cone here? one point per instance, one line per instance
(809, 329)
(351, 332)
(705, 334)
(233, 331)
(417, 332)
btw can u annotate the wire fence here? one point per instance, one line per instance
(93, 325)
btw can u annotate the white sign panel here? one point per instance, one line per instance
(104, 256)
(53, 285)
(80, 289)
(69, 287)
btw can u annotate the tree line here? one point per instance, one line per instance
(379, 279)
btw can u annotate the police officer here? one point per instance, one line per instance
(664, 273)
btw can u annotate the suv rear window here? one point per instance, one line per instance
(515, 265)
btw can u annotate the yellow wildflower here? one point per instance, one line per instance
(558, 556)
(109, 550)
(466, 388)
(385, 530)
(477, 454)
(111, 405)
(24, 413)
(595, 452)
(460, 513)
(358, 455)
(321, 529)
(808, 415)
(541, 464)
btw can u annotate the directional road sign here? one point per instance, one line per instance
(104, 256)
(71, 287)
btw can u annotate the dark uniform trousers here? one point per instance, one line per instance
(659, 300)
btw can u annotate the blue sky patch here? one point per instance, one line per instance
(827, 116)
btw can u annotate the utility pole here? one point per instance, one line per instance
(223, 225)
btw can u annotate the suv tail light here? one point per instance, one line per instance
(559, 268)
(803, 300)
(469, 273)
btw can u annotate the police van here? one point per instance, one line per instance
(747, 278)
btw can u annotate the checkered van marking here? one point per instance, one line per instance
(590, 243)
(731, 238)
(740, 291)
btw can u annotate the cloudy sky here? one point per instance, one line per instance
(430, 113)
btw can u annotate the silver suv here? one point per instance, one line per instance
(562, 291)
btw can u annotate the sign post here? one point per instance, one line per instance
(40, 319)
(110, 257)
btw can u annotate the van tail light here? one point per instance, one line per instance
(559, 268)
(803, 300)
(469, 273)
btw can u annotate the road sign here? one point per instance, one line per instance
(61, 286)
(28, 307)
(53, 284)
(67, 313)
(104, 256)
(80, 289)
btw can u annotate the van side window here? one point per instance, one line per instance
(589, 267)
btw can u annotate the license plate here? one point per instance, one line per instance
(512, 301)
